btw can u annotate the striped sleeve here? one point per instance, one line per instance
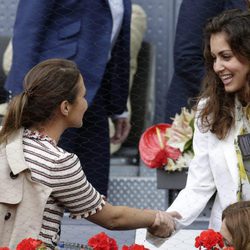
(73, 190)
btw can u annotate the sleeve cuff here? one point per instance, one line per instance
(122, 115)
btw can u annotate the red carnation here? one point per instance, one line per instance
(30, 244)
(134, 247)
(102, 241)
(209, 239)
(153, 147)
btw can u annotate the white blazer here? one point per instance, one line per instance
(214, 168)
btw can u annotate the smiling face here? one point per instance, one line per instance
(232, 71)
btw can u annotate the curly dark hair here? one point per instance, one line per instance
(217, 115)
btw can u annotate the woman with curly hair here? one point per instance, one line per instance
(221, 140)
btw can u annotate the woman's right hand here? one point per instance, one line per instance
(164, 224)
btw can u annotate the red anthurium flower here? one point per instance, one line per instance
(173, 153)
(153, 147)
(30, 244)
(134, 247)
(102, 241)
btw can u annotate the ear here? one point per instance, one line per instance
(65, 108)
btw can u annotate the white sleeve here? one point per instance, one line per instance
(200, 182)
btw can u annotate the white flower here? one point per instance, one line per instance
(180, 164)
(180, 134)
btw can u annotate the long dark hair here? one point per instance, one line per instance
(46, 85)
(248, 3)
(217, 115)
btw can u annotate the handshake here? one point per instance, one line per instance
(164, 224)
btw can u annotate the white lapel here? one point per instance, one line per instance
(230, 155)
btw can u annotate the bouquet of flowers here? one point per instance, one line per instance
(169, 146)
(134, 247)
(102, 241)
(28, 244)
(210, 240)
(99, 241)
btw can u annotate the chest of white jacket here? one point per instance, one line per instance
(223, 161)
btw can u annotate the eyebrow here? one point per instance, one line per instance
(221, 52)
(226, 50)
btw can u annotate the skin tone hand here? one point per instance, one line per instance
(164, 224)
(122, 128)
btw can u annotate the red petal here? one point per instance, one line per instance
(152, 148)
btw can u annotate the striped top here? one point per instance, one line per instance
(54, 167)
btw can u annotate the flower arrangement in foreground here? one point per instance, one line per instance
(169, 146)
(102, 241)
(210, 240)
(99, 241)
(28, 244)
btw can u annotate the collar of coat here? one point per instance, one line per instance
(14, 152)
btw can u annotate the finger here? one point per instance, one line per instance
(118, 128)
(167, 224)
(175, 215)
(122, 130)
(157, 221)
(125, 130)
(167, 218)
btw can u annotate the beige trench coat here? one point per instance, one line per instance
(22, 201)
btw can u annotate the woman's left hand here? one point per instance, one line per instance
(122, 129)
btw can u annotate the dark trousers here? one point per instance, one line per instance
(92, 145)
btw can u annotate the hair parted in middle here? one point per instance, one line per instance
(218, 113)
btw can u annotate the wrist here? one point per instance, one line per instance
(151, 215)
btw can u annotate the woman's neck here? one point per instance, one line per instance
(53, 130)
(244, 98)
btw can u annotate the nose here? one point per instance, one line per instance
(218, 66)
(86, 104)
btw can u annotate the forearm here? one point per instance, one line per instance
(132, 218)
(123, 218)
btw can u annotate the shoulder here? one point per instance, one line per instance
(47, 152)
(202, 124)
(199, 108)
(65, 158)
(201, 104)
